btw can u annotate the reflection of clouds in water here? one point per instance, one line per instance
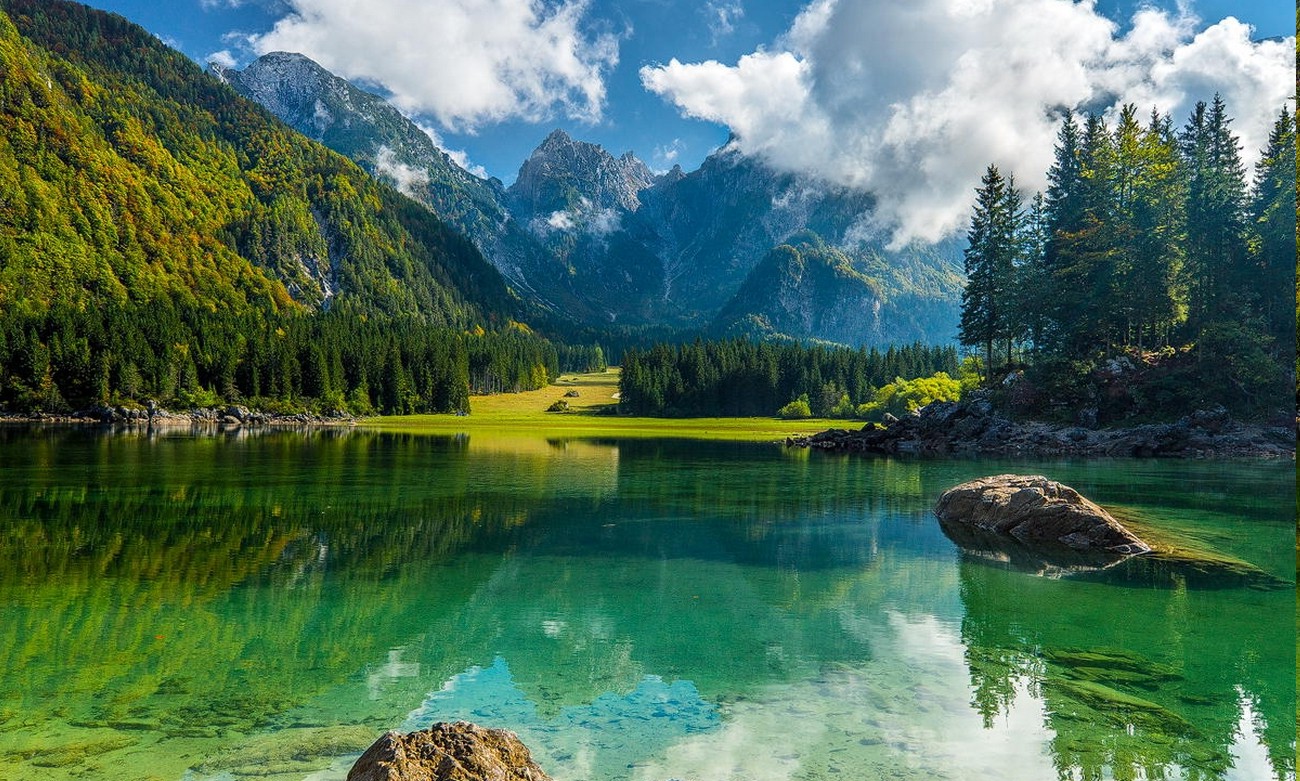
(898, 717)
(598, 740)
(1250, 759)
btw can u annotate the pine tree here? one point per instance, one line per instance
(1216, 215)
(1273, 228)
(987, 307)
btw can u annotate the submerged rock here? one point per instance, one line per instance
(448, 752)
(1037, 513)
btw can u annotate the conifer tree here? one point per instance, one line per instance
(1216, 214)
(987, 309)
(1273, 225)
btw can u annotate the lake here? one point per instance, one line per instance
(253, 606)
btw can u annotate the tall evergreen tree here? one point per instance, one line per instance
(1216, 215)
(1273, 225)
(987, 309)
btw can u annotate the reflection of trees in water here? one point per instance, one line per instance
(1133, 680)
(203, 584)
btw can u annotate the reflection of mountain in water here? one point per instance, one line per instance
(1136, 682)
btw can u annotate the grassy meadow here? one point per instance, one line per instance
(590, 414)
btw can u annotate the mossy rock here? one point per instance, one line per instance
(1174, 561)
(1120, 708)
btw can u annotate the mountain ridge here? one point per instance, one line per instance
(601, 240)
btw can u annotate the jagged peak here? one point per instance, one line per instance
(556, 137)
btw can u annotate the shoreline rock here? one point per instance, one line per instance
(974, 428)
(227, 417)
(448, 752)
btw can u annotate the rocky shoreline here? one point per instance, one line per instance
(228, 417)
(975, 428)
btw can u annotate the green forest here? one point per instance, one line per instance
(162, 238)
(1154, 276)
(744, 378)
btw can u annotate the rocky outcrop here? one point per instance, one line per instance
(1035, 512)
(1037, 525)
(974, 427)
(448, 752)
(152, 415)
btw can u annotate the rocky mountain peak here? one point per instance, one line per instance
(566, 175)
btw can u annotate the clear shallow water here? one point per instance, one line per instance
(264, 606)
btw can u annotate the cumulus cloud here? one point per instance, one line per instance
(465, 62)
(913, 100)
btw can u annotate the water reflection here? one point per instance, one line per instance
(1150, 688)
(648, 610)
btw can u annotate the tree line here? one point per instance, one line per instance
(65, 358)
(744, 378)
(1149, 244)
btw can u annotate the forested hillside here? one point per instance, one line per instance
(158, 233)
(1154, 276)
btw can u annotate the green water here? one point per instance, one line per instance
(232, 607)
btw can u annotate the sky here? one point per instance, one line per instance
(908, 99)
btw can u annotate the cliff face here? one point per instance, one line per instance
(568, 182)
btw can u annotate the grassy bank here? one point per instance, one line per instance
(589, 416)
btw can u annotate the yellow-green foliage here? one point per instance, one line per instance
(901, 396)
(796, 410)
(128, 175)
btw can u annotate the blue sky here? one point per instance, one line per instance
(848, 90)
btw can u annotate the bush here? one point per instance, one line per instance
(798, 409)
(901, 396)
(844, 408)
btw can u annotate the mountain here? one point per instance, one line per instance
(388, 145)
(805, 289)
(567, 183)
(132, 176)
(690, 252)
(600, 240)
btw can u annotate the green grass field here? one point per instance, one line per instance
(525, 413)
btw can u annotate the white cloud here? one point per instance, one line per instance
(583, 217)
(913, 100)
(667, 154)
(560, 221)
(722, 16)
(458, 156)
(223, 58)
(407, 179)
(465, 62)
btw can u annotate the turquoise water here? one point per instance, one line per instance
(263, 606)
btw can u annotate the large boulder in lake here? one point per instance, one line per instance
(1030, 520)
(448, 752)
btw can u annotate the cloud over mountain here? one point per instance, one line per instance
(912, 100)
(465, 62)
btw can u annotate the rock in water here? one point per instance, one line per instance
(1035, 512)
(448, 752)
